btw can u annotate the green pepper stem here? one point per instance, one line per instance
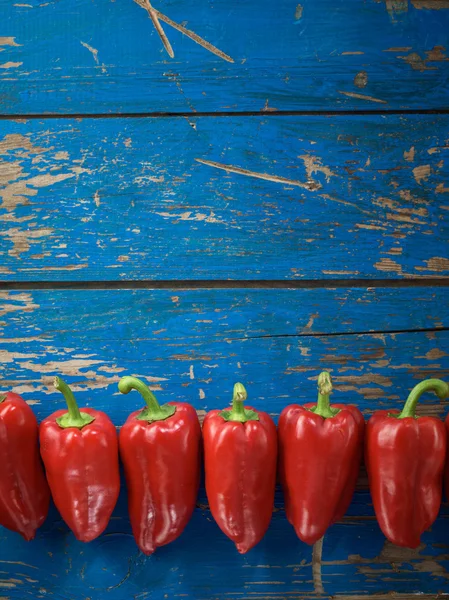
(126, 384)
(238, 411)
(153, 411)
(72, 418)
(323, 406)
(436, 385)
(62, 387)
(238, 399)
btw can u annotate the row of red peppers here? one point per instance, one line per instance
(320, 451)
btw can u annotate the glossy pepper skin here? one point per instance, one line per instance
(80, 453)
(446, 472)
(405, 457)
(160, 447)
(320, 451)
(240, 453)
(24, 493)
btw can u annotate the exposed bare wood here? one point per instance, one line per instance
(155, 19)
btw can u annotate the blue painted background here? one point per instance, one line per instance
(94, 190)
(116, 199)
(202, 564)
(285, 58)
(193, 345)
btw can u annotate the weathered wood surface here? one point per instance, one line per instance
(194, 344)
(101, 57)
(267, 197)
(203, 565)
(116, 199)
(197, 343)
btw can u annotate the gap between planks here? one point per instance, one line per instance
(247, 113)
(377, 596)
(340, 333)
(221, 284)
(386, 596)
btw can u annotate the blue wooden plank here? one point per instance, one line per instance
(202, 564)
(194, 344)
(95, 57)
(224, 198)
(197, 343)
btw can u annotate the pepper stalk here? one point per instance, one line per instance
(153, 410)
(238, 411)
(323, 406)
(438, 386)
(72, 418)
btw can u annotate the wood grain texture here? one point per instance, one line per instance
(194, 345)
(391, 595)
(314, 198)
(224, 198)
(198, 343)
(179, 323)
(203, 565)
(102, 57)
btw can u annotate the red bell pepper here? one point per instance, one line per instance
(446, 473)
(160, 448)
(240, 451)
(80, 453)
(320, 451)
(24, 493)
(405, 457)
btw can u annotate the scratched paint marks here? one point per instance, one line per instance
(410, 155)
(26, 168)
(421, 173)
(396, 7)
(22, 302)
(5, 44)
(399, 8)
(10, 65)
(363, 97)
(208, 338)
(298, 13)
(369, 373)
(280, 567)
(216, 336)
(408, 565)
(8, 41)
(376, 597)
(94, 53)
(158, 27)
(431, 62)
(312, 165)
(246, 201)
(283, 67)
(265, 176)
(155, 15)
(437, 264)
(92, 373)
(361, 79)
(404, 560)
(430, 4)
(399, 213)
(68, 363)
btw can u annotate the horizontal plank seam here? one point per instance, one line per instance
(339, 333)
(246, 113)
(425, 282)
(384, 596)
